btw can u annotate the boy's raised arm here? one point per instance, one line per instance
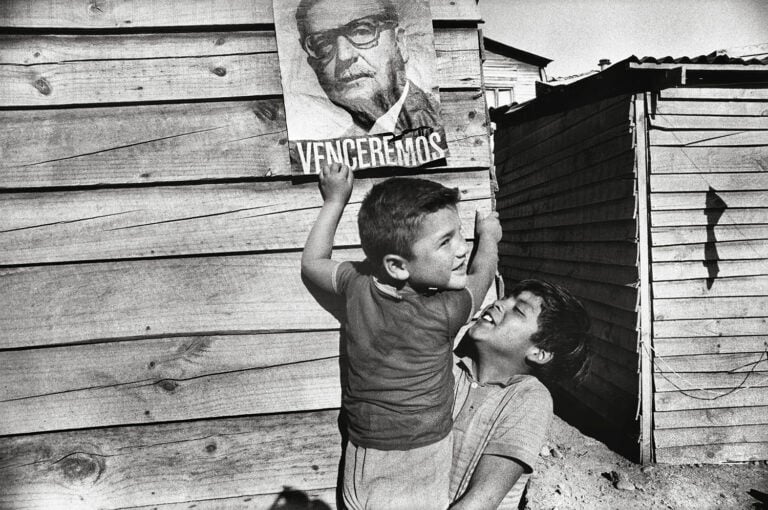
(316, 263)
(486, 257)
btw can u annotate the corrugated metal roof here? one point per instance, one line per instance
(714, 58)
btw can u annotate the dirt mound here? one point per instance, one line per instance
(577, 471)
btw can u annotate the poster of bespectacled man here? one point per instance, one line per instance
(359, 83)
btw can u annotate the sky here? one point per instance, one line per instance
(576, 34)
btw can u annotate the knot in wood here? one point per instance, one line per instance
(219, 71)
(81, 467)
(168, 385)
(96, 7)
(42, 86)
(210, 447)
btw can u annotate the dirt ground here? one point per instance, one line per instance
(578, 472)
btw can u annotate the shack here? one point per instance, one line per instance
(644, 189)
(159, 348)
(510, 74)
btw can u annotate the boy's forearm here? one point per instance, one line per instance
(482, 269)
(319, 243)
(486, 259)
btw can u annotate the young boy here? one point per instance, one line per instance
(502, 409)
(404, 306)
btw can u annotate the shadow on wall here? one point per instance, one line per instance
(292, 499)
(714, 209)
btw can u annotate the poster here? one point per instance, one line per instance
(359, 83)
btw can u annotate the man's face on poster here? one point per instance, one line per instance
(357, 50)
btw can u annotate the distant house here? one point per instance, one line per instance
(510, 73)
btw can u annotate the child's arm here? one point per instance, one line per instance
(316, 263)
(486, 258)
(493, 478)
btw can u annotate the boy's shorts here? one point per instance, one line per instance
(398, 479)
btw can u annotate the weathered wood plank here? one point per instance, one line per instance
(167, 379)
(710, 307)
(721, 362)
(617, 253)
(713, 454)
(513, 178)
(713, 138)
(288, 388)
(712, 121)
(166, 143)
(569, 125)
(617, 230)
(716, 381)
(721, 287)
(173, 66)
(715, 93)
(143, 144)
(598, 213)
(157, 79)
(324, 499)
(626, 380)
(711, 108)
(710, 345)
(609, 349)
(165, 297)
(591, 193)
(666, 236)
(623, 297)
(170, 463)
(686, 160)
(616, 334)
(726, 250)
(704, 182)
(46, 49)
(184, 220)
(698, 200)
(524, 162)
(146, 13)
(711, 327)
(696, 270)
(730, 216)
(707, 399)
(606, 273)
(564, 177)
(711, 435)
(712, 417)
(627, 320)
(30, 373)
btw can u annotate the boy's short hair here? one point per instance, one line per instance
(392, 212)
(563, 331)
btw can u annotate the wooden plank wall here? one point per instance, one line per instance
(158, 347)
(709, 236)
(567, 203)
(505, 72)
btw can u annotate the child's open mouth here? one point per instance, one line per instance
(488, 314)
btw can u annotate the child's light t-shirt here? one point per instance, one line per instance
(397, 380)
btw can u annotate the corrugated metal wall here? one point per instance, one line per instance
(158, 346)
(709, 237)
(567, 202)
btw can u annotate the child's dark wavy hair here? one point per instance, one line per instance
(392, 211)
(563, 331)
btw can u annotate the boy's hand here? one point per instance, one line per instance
(336, 183)
(488, 226)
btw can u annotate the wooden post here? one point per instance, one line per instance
(646, 315)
